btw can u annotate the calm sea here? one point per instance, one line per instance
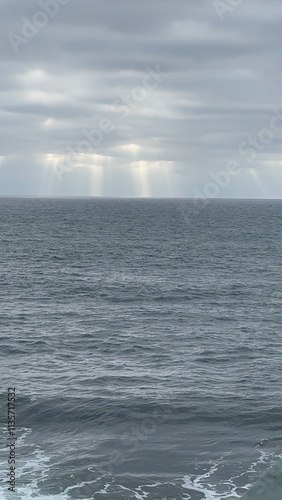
(144, 341)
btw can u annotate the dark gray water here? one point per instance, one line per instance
(145, 349)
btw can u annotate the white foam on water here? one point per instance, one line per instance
(30, 471)
(199, 484)
(36, 468)
(28, 494)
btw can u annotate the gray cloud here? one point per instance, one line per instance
(222, 82)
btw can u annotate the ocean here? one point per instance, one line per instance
(143, 339)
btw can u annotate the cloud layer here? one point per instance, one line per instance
(131, 98)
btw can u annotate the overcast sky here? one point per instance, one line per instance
(141, 98)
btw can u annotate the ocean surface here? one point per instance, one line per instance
(144, 341)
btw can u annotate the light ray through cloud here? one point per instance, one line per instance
(259, 183)
(177, 91)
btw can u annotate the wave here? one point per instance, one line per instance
(125, 407)
(269, 487)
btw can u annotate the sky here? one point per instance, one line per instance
(141, 98)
